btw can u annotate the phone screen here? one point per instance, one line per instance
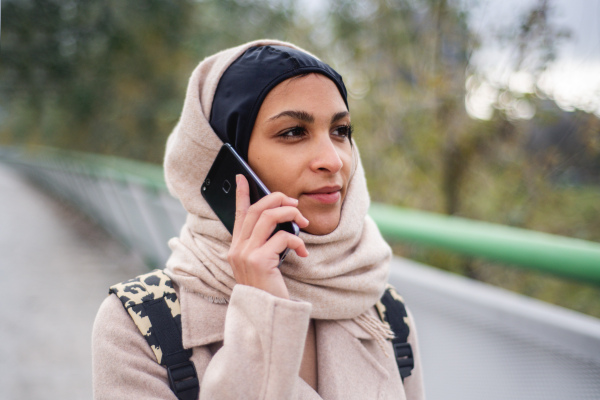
(219, 188)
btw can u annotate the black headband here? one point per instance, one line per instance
(245, 84)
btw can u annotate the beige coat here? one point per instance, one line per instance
(249, 349)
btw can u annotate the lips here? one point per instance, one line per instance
(325, 194)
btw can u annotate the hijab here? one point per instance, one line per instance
(347, 269)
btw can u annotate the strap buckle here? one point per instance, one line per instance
(183, 380)
(404, 358)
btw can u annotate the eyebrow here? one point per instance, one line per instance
(301, 115)
(306, 117)
(337, 116)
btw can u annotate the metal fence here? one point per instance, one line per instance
(128, 199)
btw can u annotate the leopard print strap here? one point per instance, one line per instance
(141, 290)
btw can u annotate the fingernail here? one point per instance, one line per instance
(237, 179)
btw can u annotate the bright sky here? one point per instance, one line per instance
(573, 80)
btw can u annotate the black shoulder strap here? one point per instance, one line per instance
(152, 303)
(391, 309)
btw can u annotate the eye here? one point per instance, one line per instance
(293, 133)
(343, 131)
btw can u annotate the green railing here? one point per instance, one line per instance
(136, 186)
(564, 256)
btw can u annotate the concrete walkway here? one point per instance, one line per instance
(56, 269)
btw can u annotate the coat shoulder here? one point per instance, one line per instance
(123, 363)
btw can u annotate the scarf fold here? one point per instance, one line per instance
(347, 269)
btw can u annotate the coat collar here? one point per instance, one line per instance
(197, 311)
(202, 322)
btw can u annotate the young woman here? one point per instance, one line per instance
(305, 330)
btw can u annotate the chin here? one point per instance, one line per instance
(321, 225)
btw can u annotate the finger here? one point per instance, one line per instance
(269, 219)
(242, 203)
(273, 200)
(283, 240)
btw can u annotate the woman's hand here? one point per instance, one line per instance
(253, 256)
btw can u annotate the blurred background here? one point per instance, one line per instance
(484, 109)
(479, 110)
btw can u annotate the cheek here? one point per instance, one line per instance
(277, 172)
(348, 162)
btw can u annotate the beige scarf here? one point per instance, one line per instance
(346, 271)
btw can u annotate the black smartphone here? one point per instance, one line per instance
(219, 190)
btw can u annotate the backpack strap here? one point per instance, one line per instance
(391, 309)
(152, 303)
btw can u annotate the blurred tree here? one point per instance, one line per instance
(410, 81)
(511, 181)
(110, 77)
(91, 76)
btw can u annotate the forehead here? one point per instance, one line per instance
(305, 90)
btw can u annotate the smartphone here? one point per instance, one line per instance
(219, 190)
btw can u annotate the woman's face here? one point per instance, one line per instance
(300, 146)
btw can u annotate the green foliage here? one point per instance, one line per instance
(85, 75)
(110, 77)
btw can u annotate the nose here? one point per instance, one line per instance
(327, 158)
